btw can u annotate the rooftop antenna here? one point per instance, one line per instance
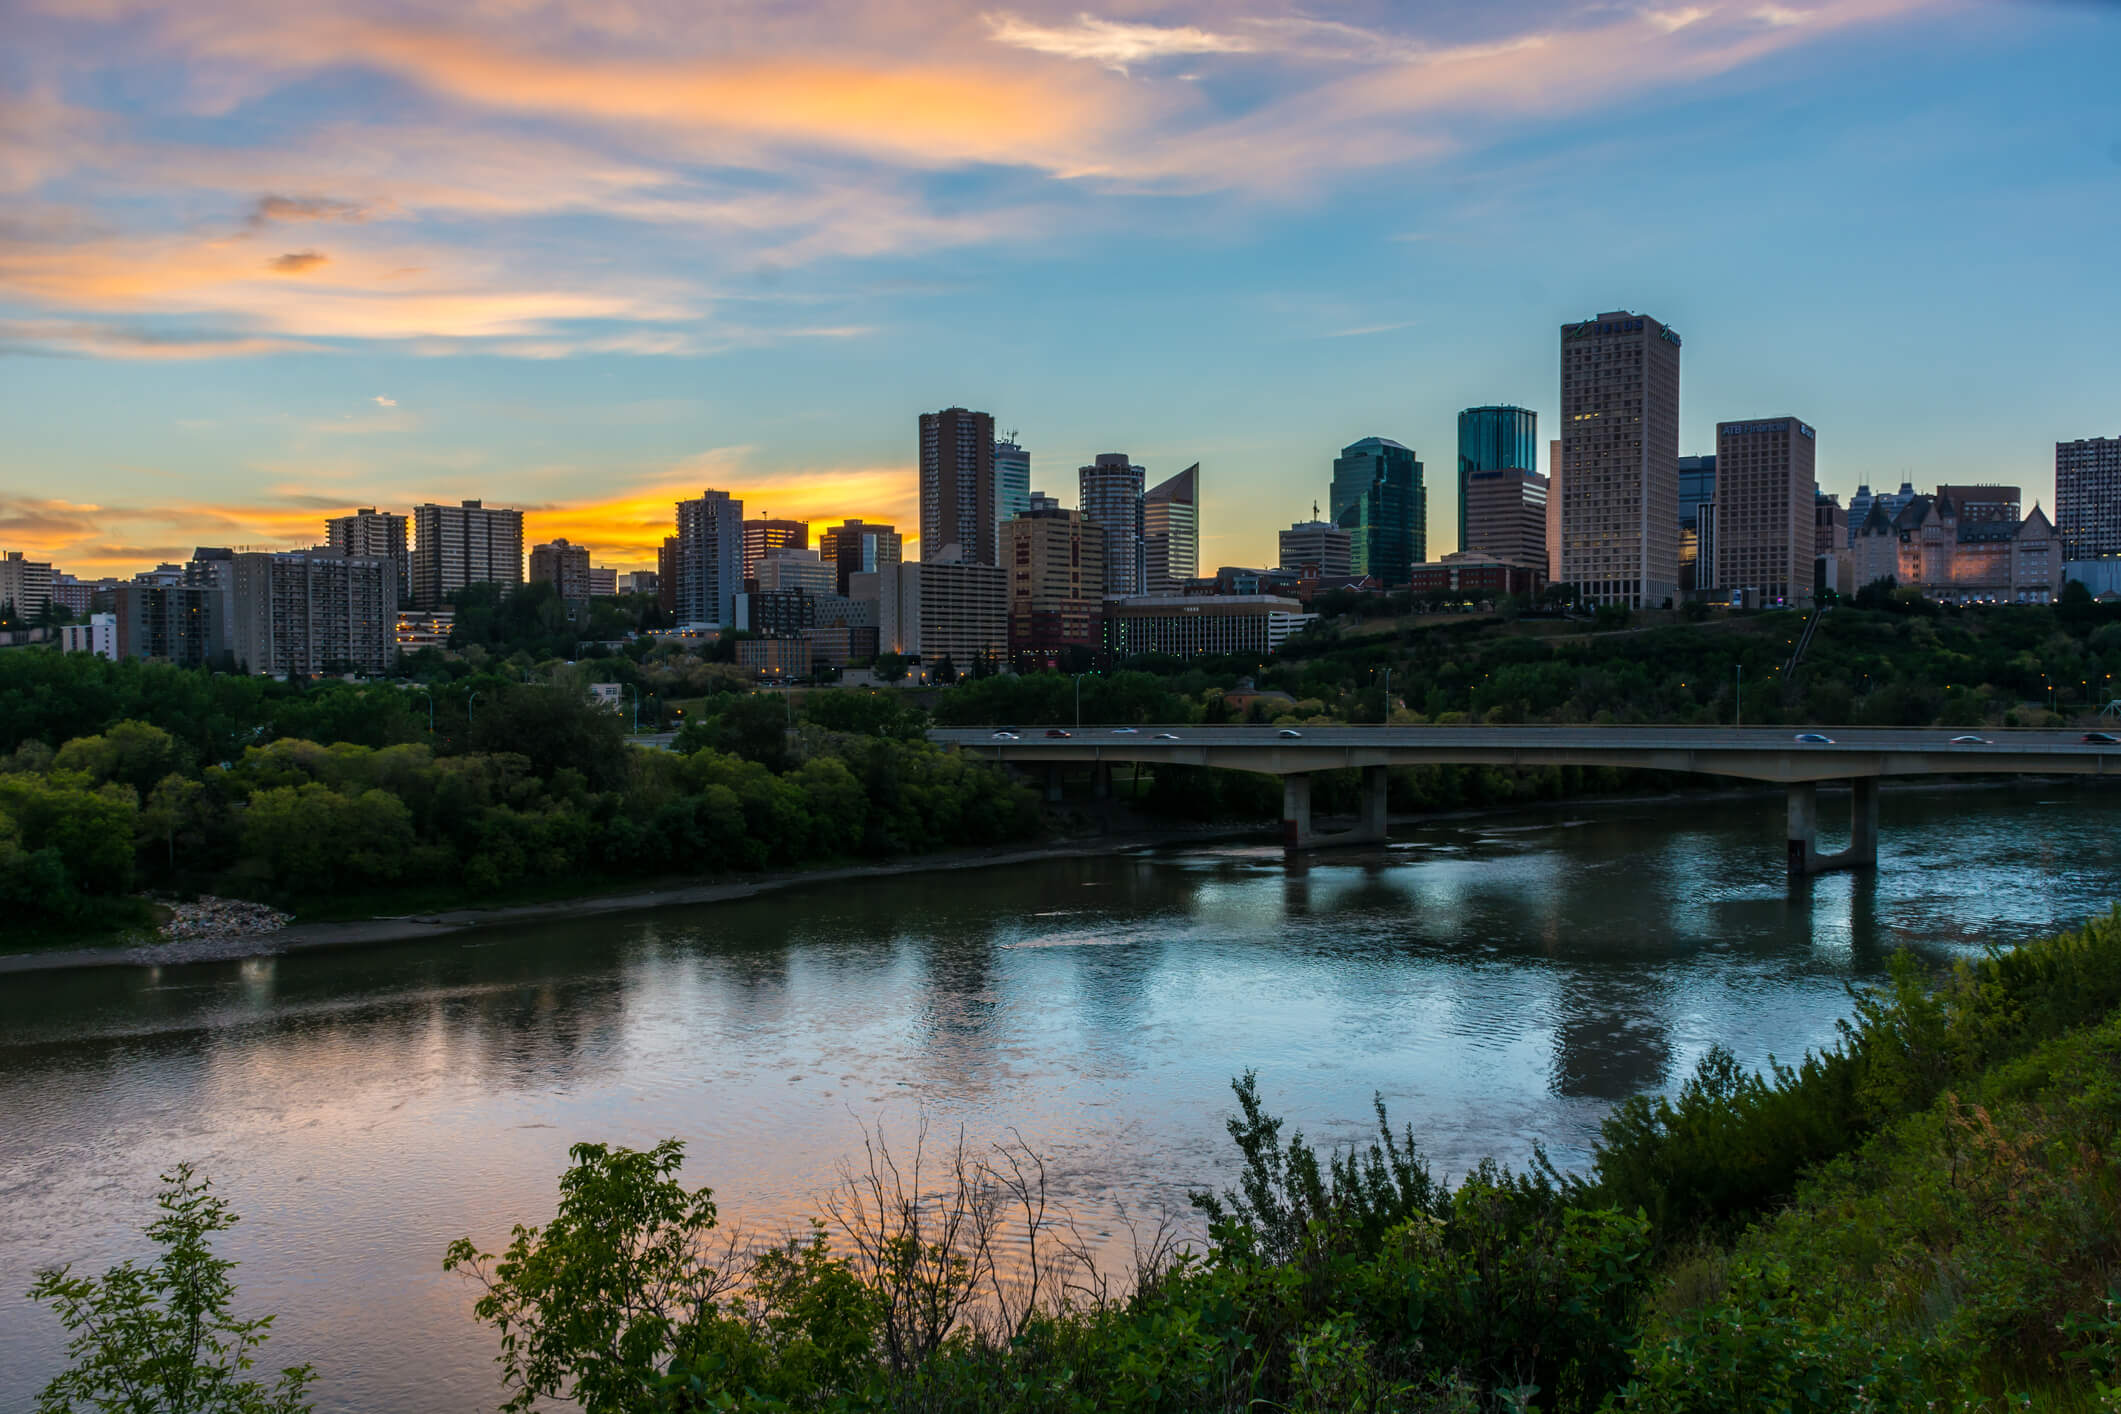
(1314, 510)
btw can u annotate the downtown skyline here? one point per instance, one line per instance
(576, 270)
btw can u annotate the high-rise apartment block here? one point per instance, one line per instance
(859, 547)
(563, 566)
(1766, 496)
(313, 611)
(957, 485)
(370, 532)
(1506, 516)
(1056, 565)
(25, 584)
(1501, 438)
(2088, 497)
(188, 625)
(470, 543)
(1378, 497)
(1109, 492)
(1171, 532)
(1697, 522)
(766, 537)
(944, 608)
(1316, 549)
(709, 560)
(1620, 460)
(1012, 479)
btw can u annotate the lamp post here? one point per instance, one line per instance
(1079, 699)
(1738, 702)
(633, 693)
(467, 709)
(430, 708)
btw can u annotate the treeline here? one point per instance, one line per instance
(1926, 1216)
(323, 797)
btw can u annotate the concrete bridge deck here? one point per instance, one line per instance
(1860, 755)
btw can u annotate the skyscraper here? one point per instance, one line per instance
(1111, 495)
(766, 537)
(957, 485)
(710, 560)
(1056, 564)
(1766, 508)
(369, 531)
(1315, 547)
(1697, 522)
(455, 546)
(1012, 479)
(2088, 497)
(1378, 498)
(1505, 513)
(1501, 438)
(1620, 460)
(859, 547)
(1171, 532)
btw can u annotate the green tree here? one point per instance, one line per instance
(160, 1339)
(602, 1302)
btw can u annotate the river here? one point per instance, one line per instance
(1502, 981)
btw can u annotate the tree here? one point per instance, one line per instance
(889, 667)
(603, 1302)
(159, 1339)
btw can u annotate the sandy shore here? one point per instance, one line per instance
(421, 926)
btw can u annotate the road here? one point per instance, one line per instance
(1753, 753)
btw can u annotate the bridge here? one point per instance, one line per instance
(1796, 757)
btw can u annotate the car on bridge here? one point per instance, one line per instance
(1970, 741)
(1055, 731)
(1006, 736)
(2100, 739)
(1815, 739)
(1288, 734)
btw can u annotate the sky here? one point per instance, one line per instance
(261, 263)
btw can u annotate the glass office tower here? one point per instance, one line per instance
(1494, 439)
(1379, 499)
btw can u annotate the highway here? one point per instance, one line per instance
(1752, 753)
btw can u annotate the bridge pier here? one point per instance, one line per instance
(1370, 825)
(1862, 851)
(1053, 784)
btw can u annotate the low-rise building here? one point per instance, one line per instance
(1189, 626)
(423, 628)
(774, 659)
(796, 569)
(1472, 575)
(98, 636)
(1927, 544)
(603, 581)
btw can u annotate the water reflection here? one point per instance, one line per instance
(1500, 981)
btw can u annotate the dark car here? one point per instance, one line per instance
(2100, 739)
(1055, 731)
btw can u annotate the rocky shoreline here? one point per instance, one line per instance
(210, 919)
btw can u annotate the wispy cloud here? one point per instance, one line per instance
(384, 402)
(1113, 43)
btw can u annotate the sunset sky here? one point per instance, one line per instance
(262, 261)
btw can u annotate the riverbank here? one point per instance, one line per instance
(442, 923)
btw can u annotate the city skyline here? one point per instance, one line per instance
(238, 301)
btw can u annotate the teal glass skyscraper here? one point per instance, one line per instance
(1378, 498)
(1494, 439)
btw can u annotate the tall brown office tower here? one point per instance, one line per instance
(1619, 474)
(1766, 508)
(957, 484)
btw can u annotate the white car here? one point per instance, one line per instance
(1007, 736)
(1167, 736)
(1289, 733)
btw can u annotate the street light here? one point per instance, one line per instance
(467, 709)
(1079, 699)
(430, 708)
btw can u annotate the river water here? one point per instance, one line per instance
(1501, 981)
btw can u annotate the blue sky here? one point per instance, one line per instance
(257, 266)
